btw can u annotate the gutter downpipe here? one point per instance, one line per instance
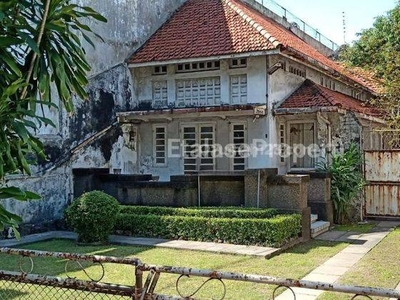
(258, 188)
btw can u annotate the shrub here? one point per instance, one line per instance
(208, 212)
(92, 216)
(347, 180)
(267, 232)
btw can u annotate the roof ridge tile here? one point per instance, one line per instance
(261, 30)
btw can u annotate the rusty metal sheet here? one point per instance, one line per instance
(382, 199)
(382, 165)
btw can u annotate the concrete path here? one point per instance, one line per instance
(335, 267)
(149, 242)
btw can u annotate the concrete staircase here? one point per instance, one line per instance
(318, 227)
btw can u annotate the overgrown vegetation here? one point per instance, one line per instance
(346, 182)
(377, 50)
(40, 49)
(92, 216)
(236, 226)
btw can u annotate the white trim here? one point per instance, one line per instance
(197, 132)
(206, 58)
(155, 126)
(288, 141)
(231, 141)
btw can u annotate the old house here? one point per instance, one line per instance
(201, 86)
(231, 73)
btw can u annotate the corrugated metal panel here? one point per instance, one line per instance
(382, 166)
(382, 199)
(382, 172)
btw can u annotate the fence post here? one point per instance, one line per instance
(138, 283)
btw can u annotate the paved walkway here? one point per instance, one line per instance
(148, 242)
(335, 267)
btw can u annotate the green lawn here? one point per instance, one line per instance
(378, 268)
(295, 263)
(362, 228)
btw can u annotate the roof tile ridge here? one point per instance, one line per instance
(253, 23)
(328, 96)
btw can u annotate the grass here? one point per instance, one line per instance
(378, 268)
(295, 263)
(361, 228)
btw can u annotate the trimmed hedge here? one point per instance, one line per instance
(208, 212)
(266, 232)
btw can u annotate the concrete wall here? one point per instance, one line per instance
(55, 189)
(130, 23)
(287, 193)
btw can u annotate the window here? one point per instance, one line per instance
(239, 89)
(238, 141)
(198, 66)
(160, 70)
(238, 63)
(198, 92)
(160, 93)
(160, 145)
(297, 71)
(282, 142)
(321, 81)
(301, 137)
(198, 152)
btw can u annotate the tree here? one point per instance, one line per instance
(40, 48)
(378, 50)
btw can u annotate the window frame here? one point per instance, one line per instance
(155, 127)
(289, 142)
(231, 141)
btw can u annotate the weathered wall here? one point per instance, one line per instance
(141, 158)
(130, 23)
(56, 191)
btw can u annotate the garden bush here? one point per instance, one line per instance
(266, 232)
(207, 212)
(92, 216)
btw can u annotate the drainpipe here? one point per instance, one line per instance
(198, 190)
(258, 188)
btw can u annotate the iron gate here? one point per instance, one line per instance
(35, 286)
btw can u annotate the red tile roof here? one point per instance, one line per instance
(203, 28)
(311, 95)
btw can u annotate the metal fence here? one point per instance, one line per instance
(293, 19)
(24, 284)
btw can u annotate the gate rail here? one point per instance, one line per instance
(145, 290)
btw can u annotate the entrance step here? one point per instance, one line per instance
(319, 227)
(314, 218)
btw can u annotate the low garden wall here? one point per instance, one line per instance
(260, 188)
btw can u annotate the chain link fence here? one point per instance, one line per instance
(17, 290)
(23, 285)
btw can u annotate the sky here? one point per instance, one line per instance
(327, 15)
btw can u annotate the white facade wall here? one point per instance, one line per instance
(256, 80)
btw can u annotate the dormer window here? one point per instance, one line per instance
(238, 63)
(160, 70)
(198, 66)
